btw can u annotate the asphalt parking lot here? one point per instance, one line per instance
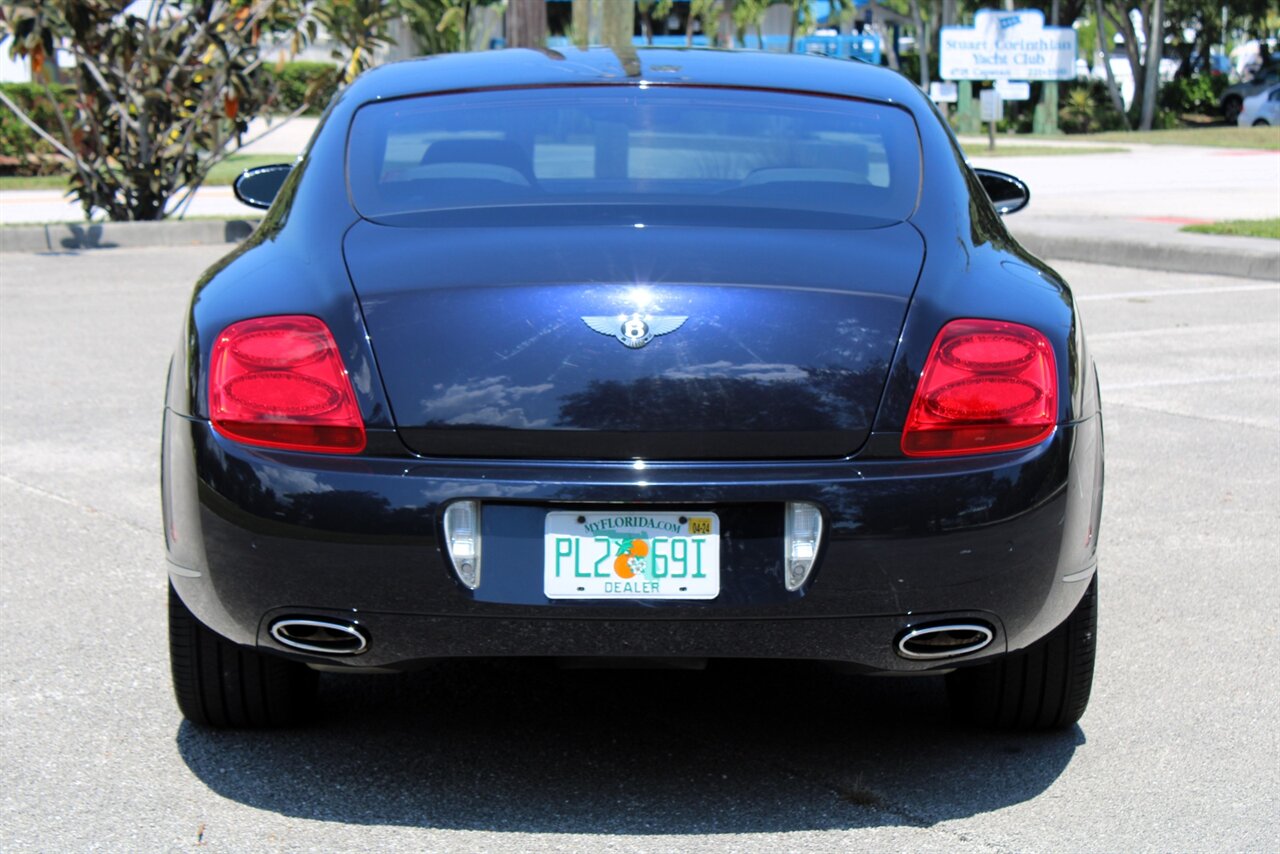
(1178, 750)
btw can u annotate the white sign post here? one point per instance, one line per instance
(1007, 46)
(991, 105)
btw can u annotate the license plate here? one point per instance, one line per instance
(631, 554)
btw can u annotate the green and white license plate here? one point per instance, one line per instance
(631, 554)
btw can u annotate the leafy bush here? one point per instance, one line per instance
(1019, 116)
(1198, 94)
(23, 152)
(1166, 120)
(909, 65)
(162, 90)
(1085, 107)
(309, 84)
(165, 90)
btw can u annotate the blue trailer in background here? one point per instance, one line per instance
(864, 46)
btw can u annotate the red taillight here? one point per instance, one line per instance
(986, 386)
(280, 382)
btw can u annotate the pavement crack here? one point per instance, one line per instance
(85, 508)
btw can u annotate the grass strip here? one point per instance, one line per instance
(1219, 136)
(1040, 150)
(1239, 228)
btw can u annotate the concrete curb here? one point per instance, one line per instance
(72, 236)
(1129, 244)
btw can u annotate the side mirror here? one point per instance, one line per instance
(1006, 192)
(257, 187)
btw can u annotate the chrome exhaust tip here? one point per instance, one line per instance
(944, 640)
(323, 636)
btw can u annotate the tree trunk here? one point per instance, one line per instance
(1112, 89)
(1124, 24)
(1049, 90)
(922, 44)
(727, 28)
(791, 31)
(581, 17)
(617, 21)
(889, 38)
(1155, 49)
(526, 23)
(935, 30)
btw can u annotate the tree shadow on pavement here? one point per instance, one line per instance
(744, 747)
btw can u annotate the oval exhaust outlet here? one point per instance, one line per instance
(323, 636)
(945, 640)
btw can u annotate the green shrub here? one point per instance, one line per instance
(1198, 94)
(1019, 116)
(1166, 120)
(23, 151)
(312, 84)
(909, 65)
(162, 89)
(1084, 106)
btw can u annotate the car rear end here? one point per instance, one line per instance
(631, 371)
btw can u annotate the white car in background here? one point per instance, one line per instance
(1261, 80)
(1261, 109)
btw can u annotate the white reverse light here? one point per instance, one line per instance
(462, 539)
(800, 545)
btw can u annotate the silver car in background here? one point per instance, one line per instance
(1261, 109)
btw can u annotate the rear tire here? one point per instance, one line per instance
(221, 684)
(1231, 109)
(1044, 687)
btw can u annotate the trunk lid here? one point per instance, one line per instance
(507, 342)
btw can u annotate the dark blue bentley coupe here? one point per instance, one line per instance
(642, 354)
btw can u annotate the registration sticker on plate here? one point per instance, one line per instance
(631, 554)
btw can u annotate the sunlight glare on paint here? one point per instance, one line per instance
(640, 297)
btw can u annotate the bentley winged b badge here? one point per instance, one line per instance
(635, 330)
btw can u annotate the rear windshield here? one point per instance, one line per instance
(710, 152)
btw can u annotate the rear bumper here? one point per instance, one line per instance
(1007, 539)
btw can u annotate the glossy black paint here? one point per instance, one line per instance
(1009, 538)
(485, 353)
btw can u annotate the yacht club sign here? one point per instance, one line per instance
(1007, 46)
